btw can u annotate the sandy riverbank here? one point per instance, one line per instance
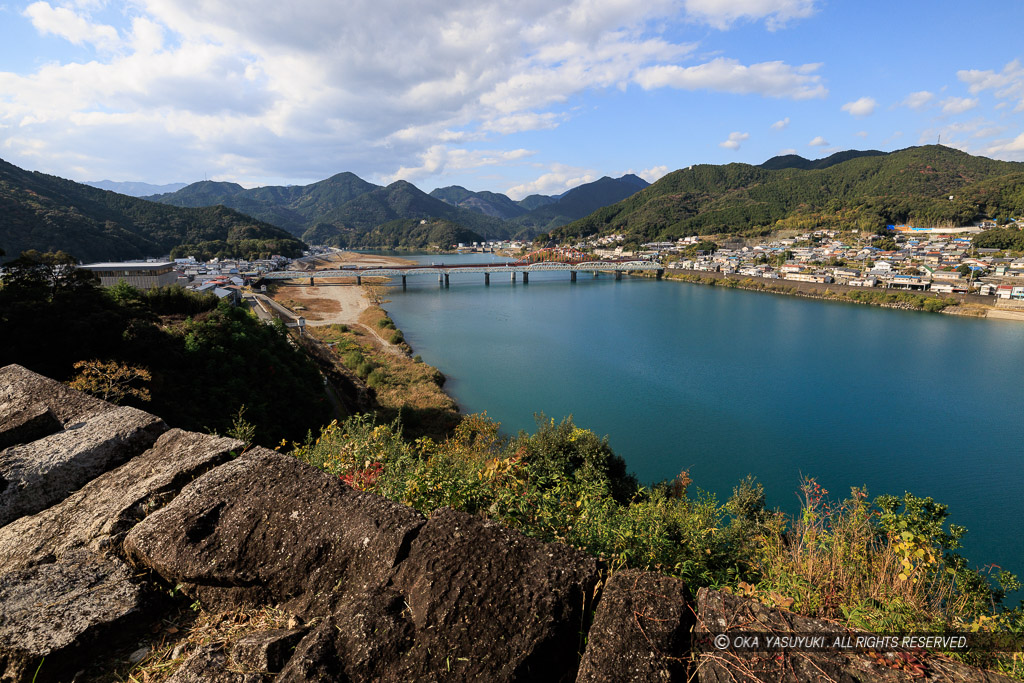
(334, 301)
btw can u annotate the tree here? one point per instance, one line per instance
(47, 273)
(111, 381)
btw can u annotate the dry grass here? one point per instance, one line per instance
(186, 633)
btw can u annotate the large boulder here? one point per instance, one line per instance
(488, 603)
(641, 630)
(22, 390)
(473, 601)
(55, 617)
(722, 615)
(98, 515)
(36, 475)
(268, 529)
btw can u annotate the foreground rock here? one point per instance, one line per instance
(722, 613)
(641, 630)
(23, 392)
(98, 515)
(472, 602)
(36, 475)
(268, 529)
(56, 617)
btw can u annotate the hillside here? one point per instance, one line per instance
(403, 200)
(487, 203)
(862, 191)
(47, 213)
(134, 189)
(579, 202)
(296, 208)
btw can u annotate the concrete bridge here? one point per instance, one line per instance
(514, 268)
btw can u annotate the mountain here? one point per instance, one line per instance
(579, 202)
(853, 190)
(488, 203)
(48, 213)
(296, 208)
(401, 200)
(796, 161)
(134, 189)
(535, 201)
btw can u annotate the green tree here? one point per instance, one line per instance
(46, 274)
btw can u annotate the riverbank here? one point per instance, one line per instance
(345, 321)
(970, 305)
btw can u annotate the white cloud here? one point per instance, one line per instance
(771, 79)
(559, 179)
(654, 174)
(861, 133)
(62, 22)
(734, 141)
(439, 159)
(1006, 84)
(819, 141)
(787, 151)
(1012, 150)
(781, 125)
(958, 105)
(918, 100)
(865, 106)
(722, 14)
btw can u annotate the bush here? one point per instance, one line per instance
(396, 337)
(364, 369)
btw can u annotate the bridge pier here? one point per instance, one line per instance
(440, 279)
(311, 282)
(618, 275)
(359, 279)
(595, 274)
(572, 276)
(487, 279)
(446, 279)
(403, 283)
(526, 278)
(658, 275)
(513, 277)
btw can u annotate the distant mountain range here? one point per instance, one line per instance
(134, 189)
(345, 210)
(47, 213)
(926, 186)
(865, 190)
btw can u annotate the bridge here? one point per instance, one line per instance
(443, 272)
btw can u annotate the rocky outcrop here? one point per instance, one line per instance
(98, 515)
(641, 630)
(268, 529)
(57, 616)
(36, 475)
(104, 518)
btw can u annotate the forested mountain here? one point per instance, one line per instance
(487, 203)
(927, 186)
(797, 161)
(134, 189)
(296, 208)
(399, 200)
(47, 213)
(579, 202)
(539, 213)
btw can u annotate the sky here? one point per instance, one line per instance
(513, 96)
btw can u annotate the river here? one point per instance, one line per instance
(723, 383)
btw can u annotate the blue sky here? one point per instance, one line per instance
(515, 96)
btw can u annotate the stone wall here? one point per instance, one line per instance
(375, 591)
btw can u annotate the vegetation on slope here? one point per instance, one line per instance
(49, 214)
(206, 361)
(864, 192)
(886, 565)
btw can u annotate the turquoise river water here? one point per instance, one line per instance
(724, 383)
